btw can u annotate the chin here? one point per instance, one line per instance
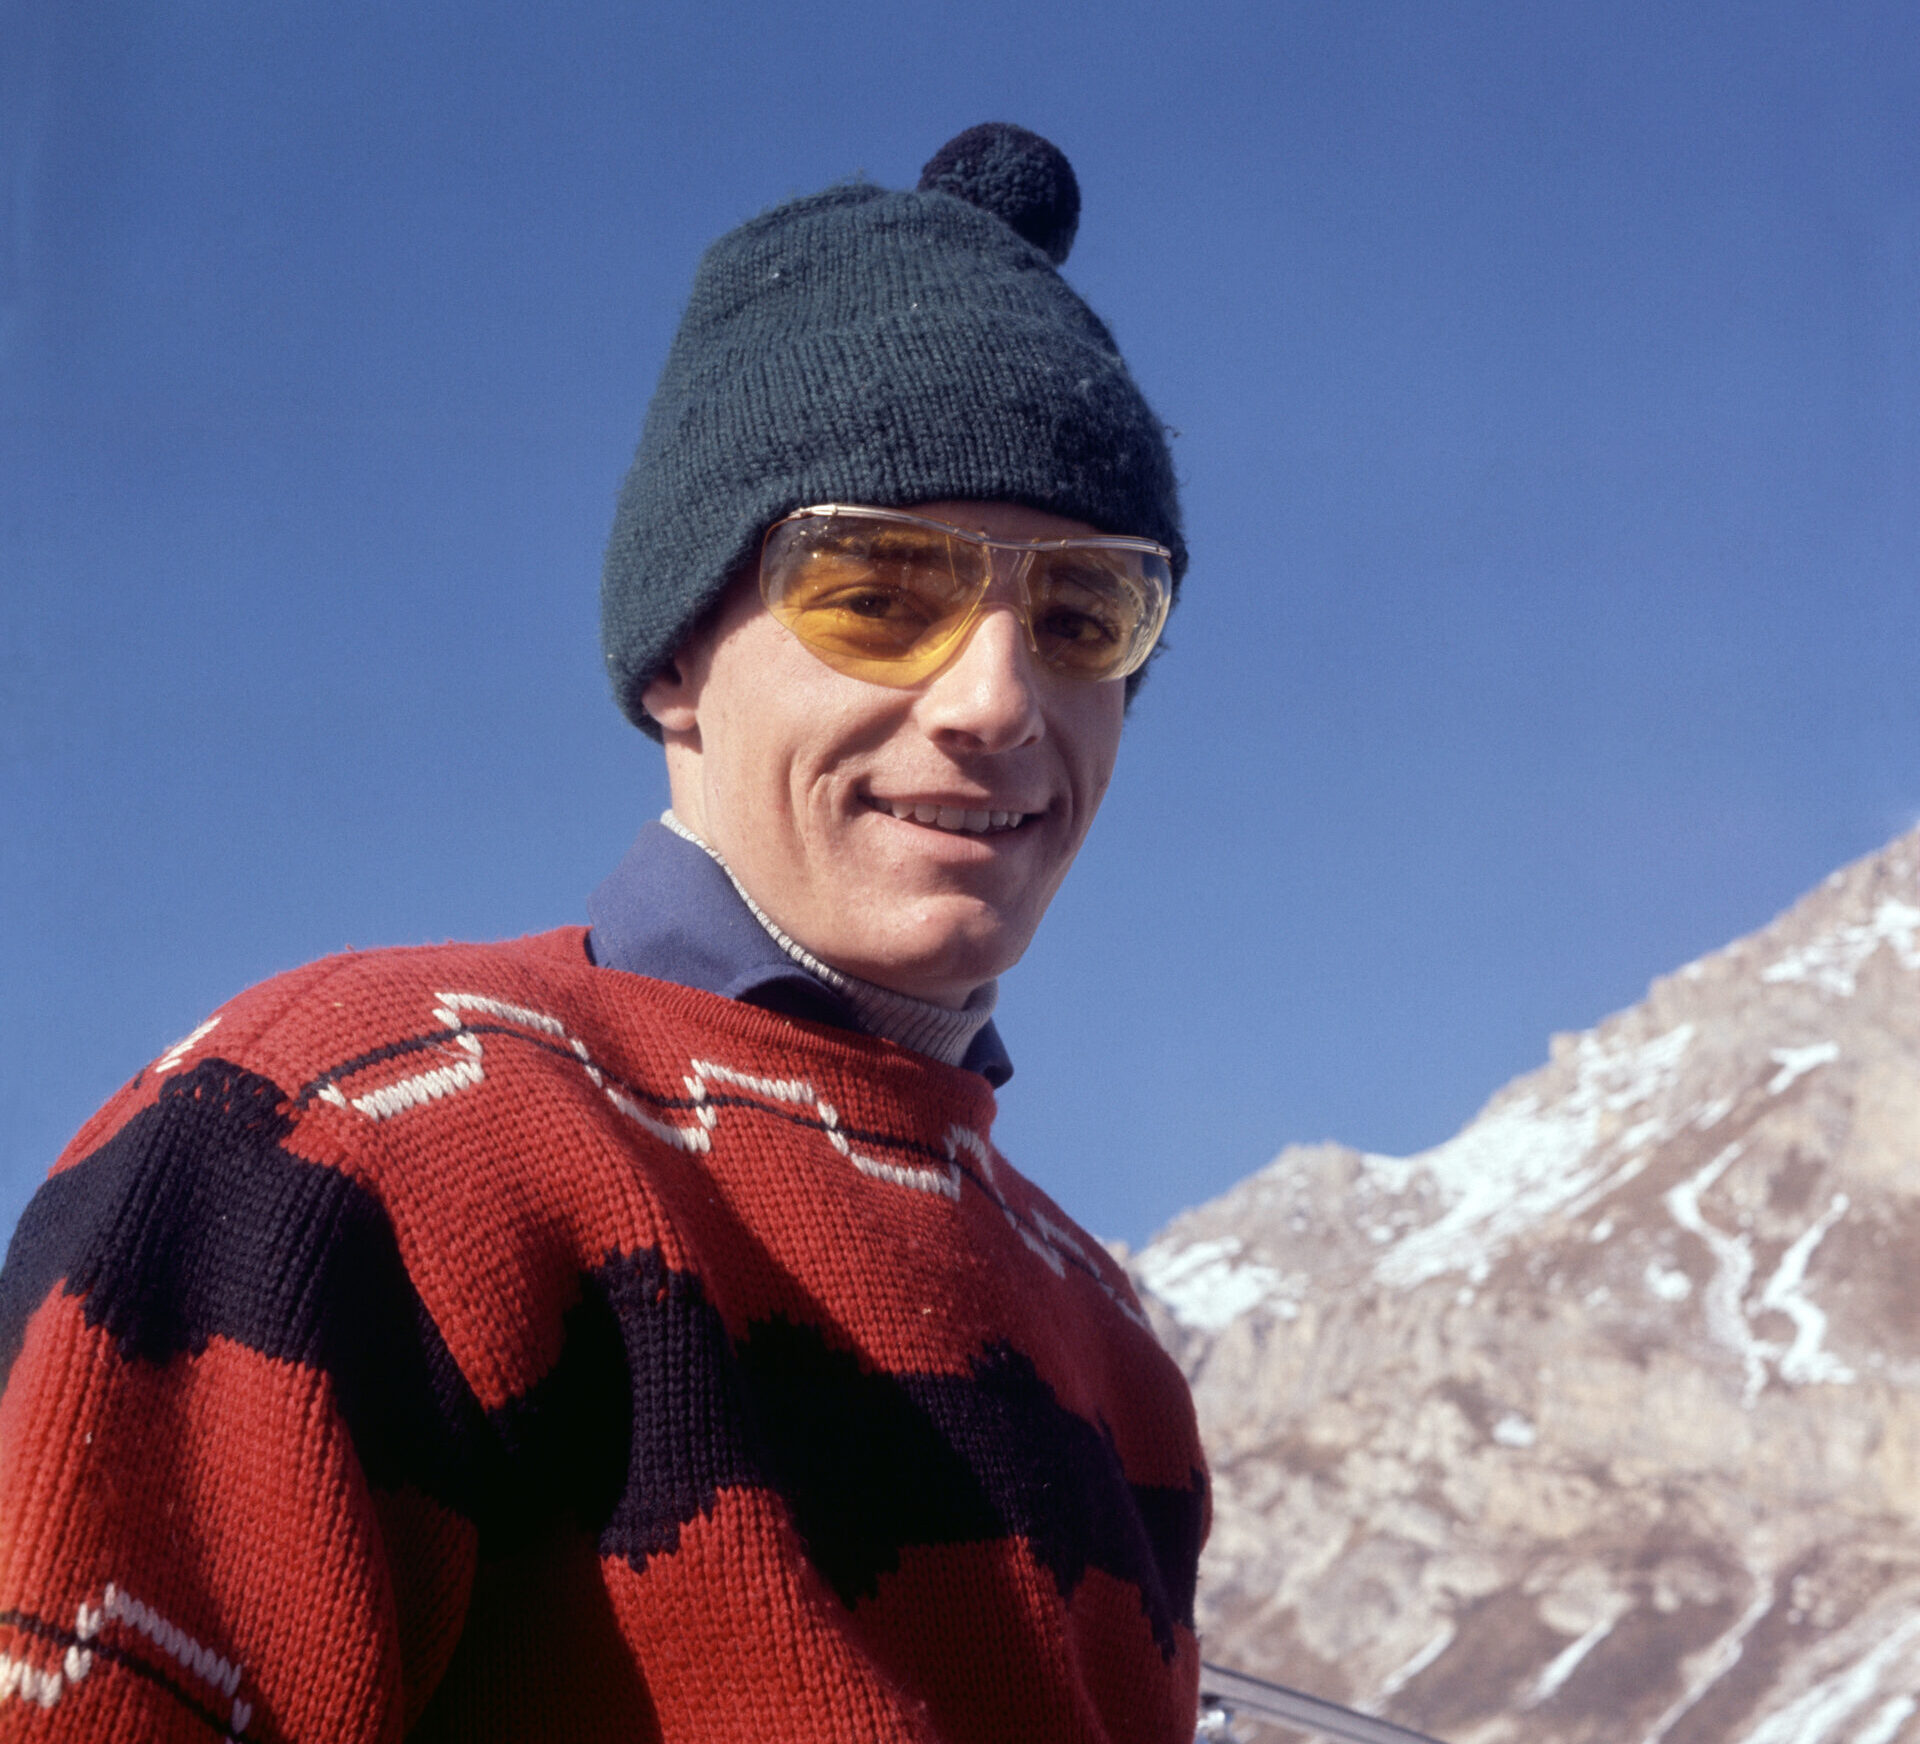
(946, 970)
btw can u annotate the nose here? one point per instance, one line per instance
(987, 697)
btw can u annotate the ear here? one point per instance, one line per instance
(671, 697)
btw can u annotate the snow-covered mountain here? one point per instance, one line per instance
(1600, 1421)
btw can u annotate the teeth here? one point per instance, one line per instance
(953, 817)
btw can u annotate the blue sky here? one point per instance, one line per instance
(1548, 405)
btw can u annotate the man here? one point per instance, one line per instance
(633, 1332)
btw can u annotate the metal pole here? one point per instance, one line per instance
(1238, 1693)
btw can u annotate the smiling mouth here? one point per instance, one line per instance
(957, 819)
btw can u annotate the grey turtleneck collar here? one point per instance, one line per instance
(939, 1031)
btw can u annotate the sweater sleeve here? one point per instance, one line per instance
(239, 1472)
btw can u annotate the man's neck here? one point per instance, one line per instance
(941, 1031)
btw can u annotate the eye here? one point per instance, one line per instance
(1078, 609)
(874, 602)
(1080, 629)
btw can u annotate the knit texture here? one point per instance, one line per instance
(471, 1343)
(868, 346)
(1023, 180)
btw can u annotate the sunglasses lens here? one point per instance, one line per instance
(876, 599)
(1097, 613)
(888, 600)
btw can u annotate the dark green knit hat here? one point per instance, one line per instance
(867, 346)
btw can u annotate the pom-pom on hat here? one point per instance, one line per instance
(1023, 180)
(868, 346)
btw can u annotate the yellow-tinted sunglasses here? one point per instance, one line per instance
(891, 597)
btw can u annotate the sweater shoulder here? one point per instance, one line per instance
(290, 1029)
(382, 1114)
(296, 1026)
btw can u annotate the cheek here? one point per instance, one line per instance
(1092, 733)
(757, 726)
(790, 759)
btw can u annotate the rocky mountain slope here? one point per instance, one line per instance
(1600, 1421)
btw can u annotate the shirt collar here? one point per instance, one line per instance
(670, 911)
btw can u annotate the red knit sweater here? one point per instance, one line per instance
(472, 1343)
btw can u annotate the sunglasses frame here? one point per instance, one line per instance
(1027, 548)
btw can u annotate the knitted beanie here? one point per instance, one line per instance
(866, 346)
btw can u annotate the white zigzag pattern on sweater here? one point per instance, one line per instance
(46, 1688)
(1038, 1232)
(945, 1182)
(121, 1606)
(18, 1678)
(438, 1082)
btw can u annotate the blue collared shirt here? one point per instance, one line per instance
(671, 912)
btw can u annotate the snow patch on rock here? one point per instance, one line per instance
(1832, 961)
(1818, 1715)
(1513, 1430)
(1204, 1285)
(1725, 1303)
(1521, 1162)
(1796, 1063)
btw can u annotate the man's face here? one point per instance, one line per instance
(843, 807)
